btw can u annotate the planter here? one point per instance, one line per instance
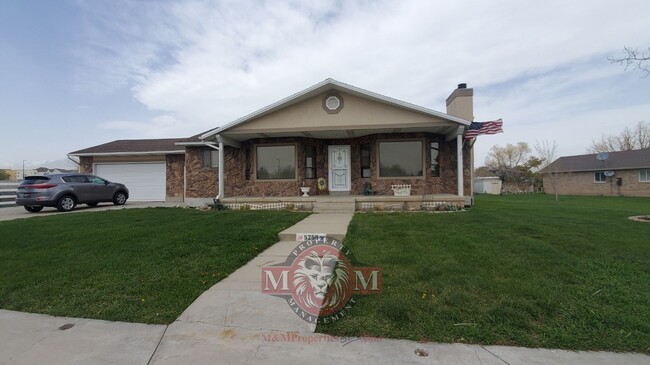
(305, 190)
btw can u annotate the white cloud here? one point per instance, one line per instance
(540, 65)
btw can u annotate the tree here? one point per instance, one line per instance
(634, 59)
(511, 163)
(629, 139)
(4, 175)
(547, 153)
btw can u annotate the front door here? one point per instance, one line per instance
(339, 168)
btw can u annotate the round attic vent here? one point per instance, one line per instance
(333, 103)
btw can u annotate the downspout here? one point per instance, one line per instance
(459, 158)
(221, 173)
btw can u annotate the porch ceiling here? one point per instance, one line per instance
(333, 133)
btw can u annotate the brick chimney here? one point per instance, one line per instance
(461, 103)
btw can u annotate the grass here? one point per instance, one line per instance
(513, 270)
(135, 265)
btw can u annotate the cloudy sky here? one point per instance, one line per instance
(74, 74)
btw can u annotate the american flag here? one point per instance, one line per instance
(492, 127)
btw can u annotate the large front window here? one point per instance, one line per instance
(276, 162)
(400, 159)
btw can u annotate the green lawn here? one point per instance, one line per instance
(513, 270)
(137, 265)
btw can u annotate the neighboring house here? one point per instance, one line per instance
(351, 138)
(487, 185)
(20, 173)
(48, 171)
(586, 175)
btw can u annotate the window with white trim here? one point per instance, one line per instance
(644, 175)
(599, 177)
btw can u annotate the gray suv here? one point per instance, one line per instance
(65, 191)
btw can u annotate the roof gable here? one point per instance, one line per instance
(330, 85)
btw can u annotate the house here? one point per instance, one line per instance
(487, 185)
(351, 140)
(615, 173)
(21, 173)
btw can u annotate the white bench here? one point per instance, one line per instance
(401, 189)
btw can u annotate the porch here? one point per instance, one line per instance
(346, 203)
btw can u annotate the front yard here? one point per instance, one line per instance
(136, 265)
(513, 270)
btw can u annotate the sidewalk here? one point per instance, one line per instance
(234, 323)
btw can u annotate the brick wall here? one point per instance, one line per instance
(582, 183)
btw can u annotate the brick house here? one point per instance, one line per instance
(346, 137)
(621, 173)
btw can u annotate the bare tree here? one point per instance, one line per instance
(509, 162)
(629, 139)
(634, 59)
(547, 153)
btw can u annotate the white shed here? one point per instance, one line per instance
(487, 185)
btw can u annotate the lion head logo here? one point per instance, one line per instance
(321, 281)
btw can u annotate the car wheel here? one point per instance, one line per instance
(92, 204)
(119, 198)
(66, 203)
(33, 209)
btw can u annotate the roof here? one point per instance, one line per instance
(622, 160)
(328, 85)
(134, 147)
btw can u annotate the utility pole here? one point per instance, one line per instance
(24, 169)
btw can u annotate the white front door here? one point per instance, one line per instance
(340, 178)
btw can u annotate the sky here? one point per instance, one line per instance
(74, 74)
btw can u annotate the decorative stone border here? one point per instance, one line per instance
(640, 218)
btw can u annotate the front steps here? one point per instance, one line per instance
(335, 205)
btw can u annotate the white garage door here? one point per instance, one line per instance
(145, 181)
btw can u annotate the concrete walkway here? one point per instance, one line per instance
(234, 323)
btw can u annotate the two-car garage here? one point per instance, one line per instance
(146, 181)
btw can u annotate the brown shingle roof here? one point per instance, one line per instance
(623, 160)
(134, 145)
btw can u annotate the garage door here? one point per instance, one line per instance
(145, 181)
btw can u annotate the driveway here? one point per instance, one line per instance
(11, 213)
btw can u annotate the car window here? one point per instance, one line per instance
(75, 179)
(97, 180)
(35, 180)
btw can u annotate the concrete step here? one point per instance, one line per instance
(335, 206)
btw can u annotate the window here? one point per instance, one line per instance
(276, 162)
(310, 162)
(435, 167)
(97, 180)
(644, 175)
(599, 177)
(400, 159)
(365, 160)
(210, 158)
(75, 179)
